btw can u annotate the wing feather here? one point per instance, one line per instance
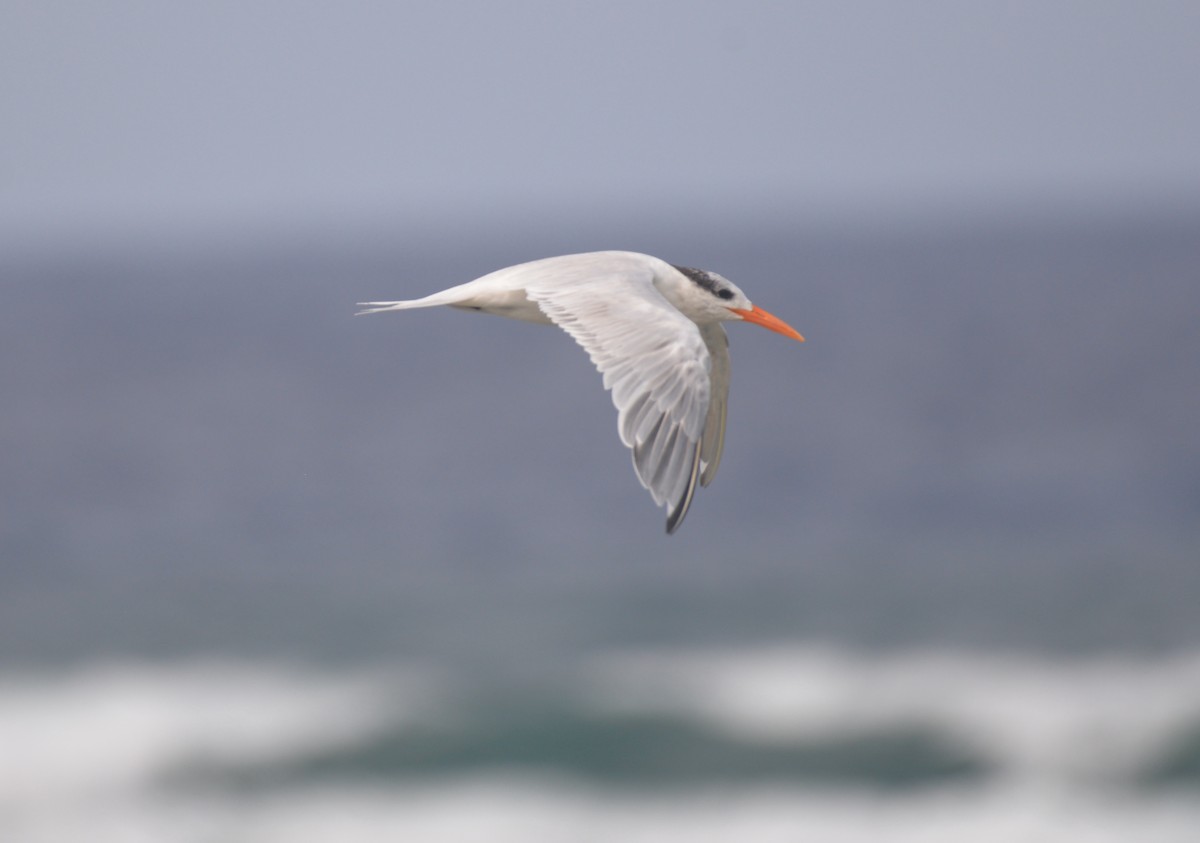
(655, 361)
(713, 443)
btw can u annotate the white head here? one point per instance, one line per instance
(705, 296)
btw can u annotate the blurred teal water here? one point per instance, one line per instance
(269, 572)
(989, 439)
(721, 744)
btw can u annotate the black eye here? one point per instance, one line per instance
(725, 294)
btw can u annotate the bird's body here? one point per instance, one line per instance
(653, 330)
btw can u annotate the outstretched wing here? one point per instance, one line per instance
(654, 360)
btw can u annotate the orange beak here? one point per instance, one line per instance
(772, 323)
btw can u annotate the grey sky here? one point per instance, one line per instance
(228, 112)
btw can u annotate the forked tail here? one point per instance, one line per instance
(452, 296)
(381, 306)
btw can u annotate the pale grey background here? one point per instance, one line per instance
(983, 216)
(223, 114)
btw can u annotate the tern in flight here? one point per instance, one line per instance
(654, 332)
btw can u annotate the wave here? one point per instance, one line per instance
(1096, 718)
(625, 751)
(839, 743)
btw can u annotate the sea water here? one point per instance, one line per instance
(770, 743)
(270, 573)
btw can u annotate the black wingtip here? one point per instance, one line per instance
(675, 518)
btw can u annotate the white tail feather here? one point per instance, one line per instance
(452, 296)
(380, 306)
(383, 306)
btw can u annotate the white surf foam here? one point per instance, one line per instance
(507, 810)
(1095, 717)
(81, 753)
(108, 728)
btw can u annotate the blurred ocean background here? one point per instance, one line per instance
(272, 573)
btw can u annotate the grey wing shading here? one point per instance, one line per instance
(712, 445)
(655, 362)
